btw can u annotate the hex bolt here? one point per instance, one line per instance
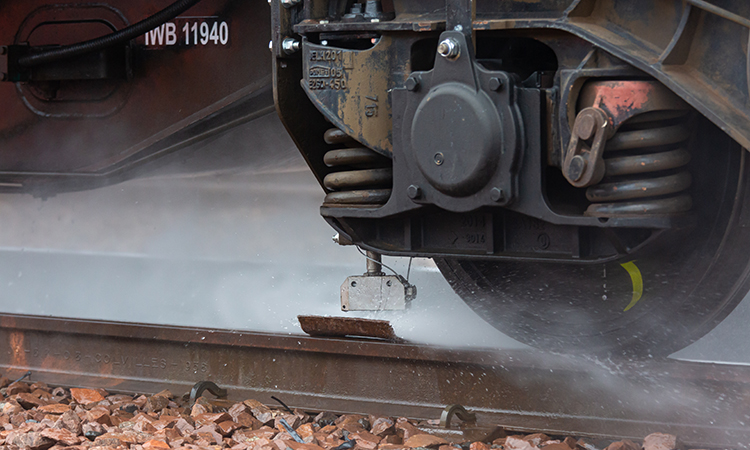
(290, 46)
(290, 3)
(576, 168)
(439, 159)
(497, 194)
(414, 192)
(496, 84)
(449, 48)
(412, 83)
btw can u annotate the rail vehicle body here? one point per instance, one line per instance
(576, 168)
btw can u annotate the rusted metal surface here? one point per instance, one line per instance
(620, 116)
(351, 87)
(623, 100)
(347, 326)
(701, 403)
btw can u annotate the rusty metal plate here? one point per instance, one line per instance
(347, 326)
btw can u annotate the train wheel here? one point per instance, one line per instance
(649, 303)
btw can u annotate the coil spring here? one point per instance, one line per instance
(364, 177)
(645, 168)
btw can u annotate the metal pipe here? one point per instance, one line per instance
(374, 264)
(721, 12)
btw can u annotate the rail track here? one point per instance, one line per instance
(705, 405)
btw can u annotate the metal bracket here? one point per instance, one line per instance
(376, 291)
(457, 410)
(584, 160)
(209, 386)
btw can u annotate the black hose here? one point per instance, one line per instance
(118, 37)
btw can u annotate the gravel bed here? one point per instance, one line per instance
(38, 417)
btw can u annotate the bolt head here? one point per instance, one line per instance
(585, 126)
(497, 195)
(496, 84)
(290, 46)
(439, 159)
(576, 168)
(449, 48)
(414, 192)
(412, 83)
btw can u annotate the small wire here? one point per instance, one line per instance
(27, 374)
(289, 410)
(408, 269)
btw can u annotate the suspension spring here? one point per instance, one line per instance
(362, 176)
(645, 169)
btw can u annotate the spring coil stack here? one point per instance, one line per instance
(645, 168)
(362, 177)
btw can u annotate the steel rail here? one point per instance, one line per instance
(705, 405)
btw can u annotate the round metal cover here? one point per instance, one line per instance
(456, 136)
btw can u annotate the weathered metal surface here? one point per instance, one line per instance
(584, 162)
(693, 47)
(703, 404)
(351, 87)
(347, 326)
(361, 176)
(659, 140)
(375, 293)
(622, 100)
(78, 134)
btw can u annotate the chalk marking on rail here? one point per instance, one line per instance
(635, 276)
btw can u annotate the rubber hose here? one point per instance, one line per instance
(118, 37)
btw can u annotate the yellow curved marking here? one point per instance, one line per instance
(635, 275)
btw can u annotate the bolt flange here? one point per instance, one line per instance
(449, 48)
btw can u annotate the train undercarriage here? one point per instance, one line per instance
(575, 168)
